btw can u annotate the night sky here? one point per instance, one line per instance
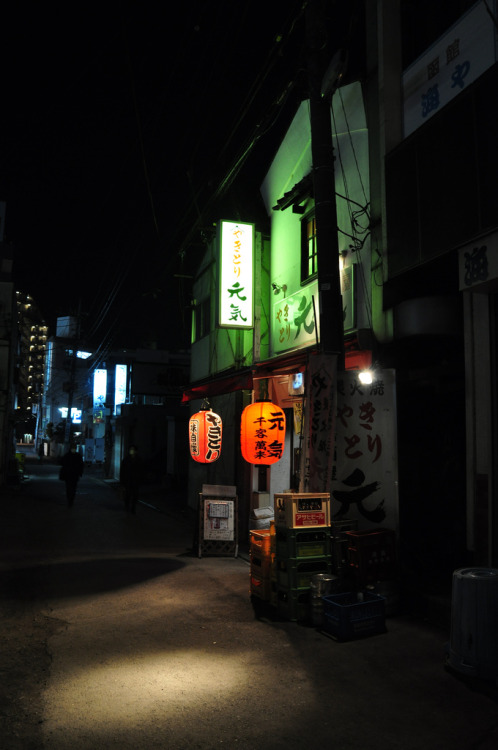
(119, 123)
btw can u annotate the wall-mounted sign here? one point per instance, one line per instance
(120, 385)
(348, 300)
(449, 66)
(236, 274)
(294, 322)
(75, 414)
(478, 262)
(364, 485)
(99, 388)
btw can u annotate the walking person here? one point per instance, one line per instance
(130, 477)
(71, 472)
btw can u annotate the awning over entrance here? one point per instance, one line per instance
(289, 364)
(243, 379)
(235, 381)
(283, 365)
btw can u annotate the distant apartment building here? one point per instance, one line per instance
(8, 344)
(32, 338)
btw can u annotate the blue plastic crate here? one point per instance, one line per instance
(352, 615)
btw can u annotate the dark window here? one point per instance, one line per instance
(202, 319)
(440, 182)
(309, 257)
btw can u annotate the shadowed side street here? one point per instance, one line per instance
(116, 635)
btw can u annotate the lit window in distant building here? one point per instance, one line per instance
(309, 257)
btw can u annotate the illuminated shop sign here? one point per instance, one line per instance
(294, 321)
(75, 414)
(99, 388)
(120, 385)
(236, 276)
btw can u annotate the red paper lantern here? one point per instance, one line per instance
(205, 429)
(262, 433)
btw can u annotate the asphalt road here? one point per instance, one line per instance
(115, 635)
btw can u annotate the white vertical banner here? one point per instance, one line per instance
(236, 274)
(364, 487)
(120, 385)
(319, 429)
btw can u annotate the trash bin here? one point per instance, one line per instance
(473, 647)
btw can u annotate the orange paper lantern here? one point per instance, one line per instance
(205, 429)
(262, 433)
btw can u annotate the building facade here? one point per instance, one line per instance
(414, 164)
(8, 361)
(131, 397)
(33, 337)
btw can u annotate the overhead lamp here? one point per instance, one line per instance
(365, 377)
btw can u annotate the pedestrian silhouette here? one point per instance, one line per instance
(70, 473)
(130, 477)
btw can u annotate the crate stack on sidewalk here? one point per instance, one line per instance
(302, 526)
(370, 561)
(372, 555)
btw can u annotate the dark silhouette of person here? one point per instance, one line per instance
(130, 477)
(71, 472)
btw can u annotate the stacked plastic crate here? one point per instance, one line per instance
(339, 543)
(302, 522)
(372, 555)
(262, 561)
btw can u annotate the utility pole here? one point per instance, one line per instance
(321, 403)
(329, 289)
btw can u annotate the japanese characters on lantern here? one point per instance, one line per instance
(262, 433)
(205, 432)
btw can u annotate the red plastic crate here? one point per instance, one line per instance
(260, 587)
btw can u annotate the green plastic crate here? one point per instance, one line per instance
(297, 573)
(295, 543)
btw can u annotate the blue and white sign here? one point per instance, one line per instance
(449, 66)
(120, 379)
(99, 388)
